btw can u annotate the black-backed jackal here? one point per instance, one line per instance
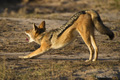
(83, 23)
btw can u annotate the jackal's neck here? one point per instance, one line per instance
(39, 38)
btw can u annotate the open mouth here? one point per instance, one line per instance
(27, 39)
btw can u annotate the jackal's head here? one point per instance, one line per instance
(33, 33)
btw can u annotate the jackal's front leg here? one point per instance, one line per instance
(33, 54)
(44, 47)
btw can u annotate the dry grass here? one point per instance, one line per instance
(35, 10)
(32, 69)
(116, 4)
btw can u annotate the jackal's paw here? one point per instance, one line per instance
(94, 60)
(87, 60)
(23, 57)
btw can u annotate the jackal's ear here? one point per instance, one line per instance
(34, 27)
(42, 26)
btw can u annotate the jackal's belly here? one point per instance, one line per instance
(64, 40)
(60, 45)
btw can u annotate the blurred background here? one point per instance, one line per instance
(52, 8)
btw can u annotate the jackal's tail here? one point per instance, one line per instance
(99, 24)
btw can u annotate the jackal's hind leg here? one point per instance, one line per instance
(85, 34)
(87, 41)
(95, 48)
(90, 47)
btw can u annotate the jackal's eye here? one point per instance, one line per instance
(28, 31)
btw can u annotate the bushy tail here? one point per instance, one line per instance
(99, 24)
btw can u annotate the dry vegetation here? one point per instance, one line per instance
(17, 16)
(54, 8)
(32, 69)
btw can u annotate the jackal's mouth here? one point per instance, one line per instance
(27, 39)
(30, 39)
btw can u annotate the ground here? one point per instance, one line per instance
(64, 64)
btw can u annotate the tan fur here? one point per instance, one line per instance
(84, 25)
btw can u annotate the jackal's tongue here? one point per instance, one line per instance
(27, 39)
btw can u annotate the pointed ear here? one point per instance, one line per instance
(42, 25)
(34, 27)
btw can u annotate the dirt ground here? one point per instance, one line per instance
(63, 64)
